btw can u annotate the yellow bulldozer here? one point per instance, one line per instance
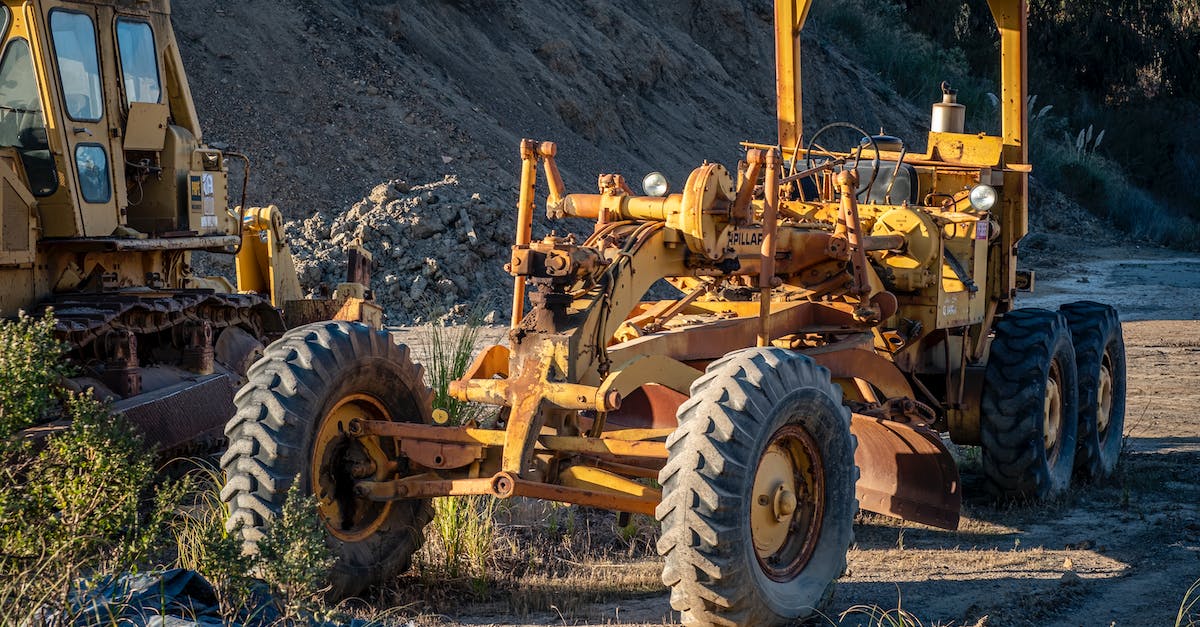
(843, 307)
(106, 191)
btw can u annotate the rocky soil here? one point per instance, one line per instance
(335, 99)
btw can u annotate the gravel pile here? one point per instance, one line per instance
(440, 249)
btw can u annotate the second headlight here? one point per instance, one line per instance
(983, 197)
(655, 184)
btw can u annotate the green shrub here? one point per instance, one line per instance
(30, 366)
(874, 33)
(1101, 186)
(78, 501)
(293, 557)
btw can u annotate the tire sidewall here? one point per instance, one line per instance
(1058, 473)
(383, 379)
(1114, 437)
(1091, 350)
(824, 420)
(1016, 463)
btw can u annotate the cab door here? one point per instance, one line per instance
(77, 59)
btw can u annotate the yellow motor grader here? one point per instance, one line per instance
(840, 310)
(106, 190)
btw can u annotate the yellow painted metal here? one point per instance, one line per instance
(264, 265)
(977, 151)
(491, 362)
(329, 463)
(18, 235)
(1104, 397)
(699, 214)
(790, 16)
(774, 501)
(638, 434)
(595, 339)
(144, 231)
(146, 129)
(591, 478)
(1052, 413)
(524, 221)
(612, 447)
(770, 227)
(1011, 18)
(660, 369)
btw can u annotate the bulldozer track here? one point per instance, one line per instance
(81, 319)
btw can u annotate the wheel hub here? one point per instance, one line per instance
(786, 505)
(1052, 418)
(339, 460)
(1104, 393)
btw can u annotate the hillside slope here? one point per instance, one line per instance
(335, 100)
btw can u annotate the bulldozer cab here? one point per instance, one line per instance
(98, 122)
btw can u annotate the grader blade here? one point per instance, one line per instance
(905, 472)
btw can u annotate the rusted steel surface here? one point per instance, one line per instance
(905, 472)
(767, 281)
(581, 496)
(715, 339)
(182, 417)
(868, 366)
(649, 406)
(507, 485)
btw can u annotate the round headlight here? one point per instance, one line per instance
(983, 197)
(655, 184)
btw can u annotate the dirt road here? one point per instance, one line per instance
(1123, 553)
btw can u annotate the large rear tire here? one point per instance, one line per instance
(758, 492)
(1030, 407)
(1100, 360)
(291, 422)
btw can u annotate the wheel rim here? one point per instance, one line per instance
(339, 460)
(1104, 396)
(787, 503)
(1052, 416)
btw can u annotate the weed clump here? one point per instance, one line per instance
(75, 502)
(293, 557)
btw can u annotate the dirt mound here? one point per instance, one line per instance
(436, 246)
(332, 98)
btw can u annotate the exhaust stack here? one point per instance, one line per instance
(948, 115)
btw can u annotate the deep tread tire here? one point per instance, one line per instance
(271, 439)
(735, 409)
(1016, 463)
(1096, 333)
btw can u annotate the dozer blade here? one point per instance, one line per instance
(905, 472)
(181, 418)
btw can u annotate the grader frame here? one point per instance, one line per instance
(578, 352)
(826, 336)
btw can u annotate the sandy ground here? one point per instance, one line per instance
(1117, 554)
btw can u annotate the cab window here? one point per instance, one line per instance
(92, 163)
(22, 125)
(74, 37)
(139, 62)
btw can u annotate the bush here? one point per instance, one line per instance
(874, 33)
(78, 501)
(293, 557)
(30, 366)
(1102, 187)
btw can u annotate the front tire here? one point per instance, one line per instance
(1030, 407)
(758, 492)
(1100, 360)
(291, 422)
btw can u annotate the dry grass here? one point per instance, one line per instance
(1189, 607)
